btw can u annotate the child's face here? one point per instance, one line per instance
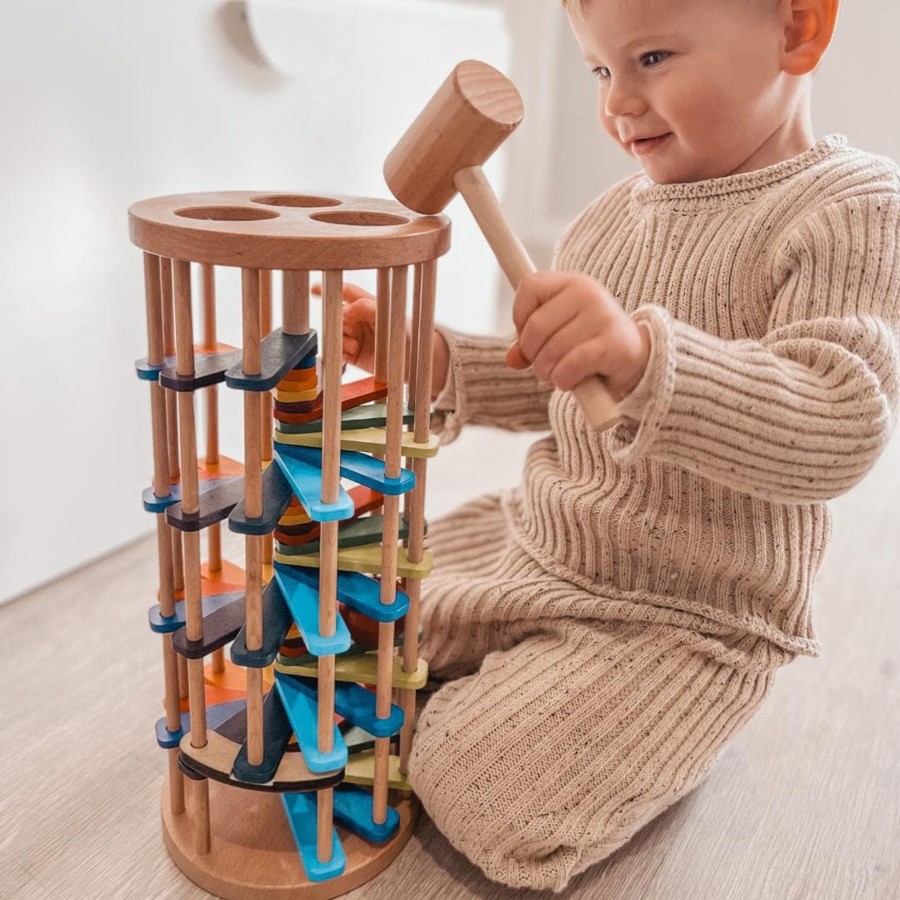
(706, 74)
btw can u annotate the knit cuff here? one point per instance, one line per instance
(445, 419)
(633, 404)
(483, 390)
(645, 408)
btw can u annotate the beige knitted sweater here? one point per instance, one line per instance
(772, 298)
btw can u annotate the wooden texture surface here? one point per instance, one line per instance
(804, 804)
(251, 230)
(469, 116)
(254, 856)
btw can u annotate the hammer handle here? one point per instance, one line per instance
(597, 405)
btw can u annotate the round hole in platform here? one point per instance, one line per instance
(359, 217)
(226, 213)
(296, 200)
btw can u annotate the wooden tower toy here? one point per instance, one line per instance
(307, 724)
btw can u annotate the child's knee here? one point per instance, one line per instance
(508, 847)
(501, 835)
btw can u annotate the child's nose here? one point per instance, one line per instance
(622, 98)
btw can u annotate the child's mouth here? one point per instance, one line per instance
(648, 145)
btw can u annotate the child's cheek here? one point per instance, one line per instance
(608, 124)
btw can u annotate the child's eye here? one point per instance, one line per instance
(659, 55)
(600, 72)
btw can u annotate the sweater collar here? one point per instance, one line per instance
(646, 191)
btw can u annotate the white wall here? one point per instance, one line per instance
(105, 103)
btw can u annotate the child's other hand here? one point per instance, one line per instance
(570, 328)
(358, 325)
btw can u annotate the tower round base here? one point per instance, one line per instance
(253, 855)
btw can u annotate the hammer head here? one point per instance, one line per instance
(469, 116)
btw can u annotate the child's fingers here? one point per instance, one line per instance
(351, 292)
(534, 290)
(546, 323)
(514, 357)
(351, 348)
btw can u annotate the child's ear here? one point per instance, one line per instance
(808, 29)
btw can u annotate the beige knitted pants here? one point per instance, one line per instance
(560, 737)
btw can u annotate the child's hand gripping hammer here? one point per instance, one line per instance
(442, 152)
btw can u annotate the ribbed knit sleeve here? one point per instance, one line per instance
(801, 414)
(481, 389)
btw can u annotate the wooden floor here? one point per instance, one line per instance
(803, 805)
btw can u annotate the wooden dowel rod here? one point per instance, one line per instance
(265, 301)
(214, 545)
(382, 711)
(176, 783)
(325, 731)
(208, 285)
(396, 369)
(210, 342)
(162, 485)
(201, 816)
(183, 690)
(380, 784)
(167, 608)
(211, 401)
(425, 347)
(153, 300)
(155, 356)
(254, 573)
(197, 699)
(184, 324)
(168, 316)
(192, 586)
(251, 320)
(170, 674)
(166, 596)
(255, 737)
(415, 552)
(324, 819)
(382, 323)
(408, 705)
(332, 357)
(295, 302)
(252, 399)
(266, 420)
(421, 403)
(416, 539)
(391, 513)
(187, 435)
(252, 325)
(177, 560)
(253, 453)
(171, 400)
(184, 352)
(254, 636)
(413, 358)
(168, 305)
(184, 362)
(413, 586)
(266, 429)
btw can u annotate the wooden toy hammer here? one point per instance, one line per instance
(442, 152)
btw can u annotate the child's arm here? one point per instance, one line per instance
(470, 379)
(801, 415)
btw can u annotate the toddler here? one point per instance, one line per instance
(602, 630)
